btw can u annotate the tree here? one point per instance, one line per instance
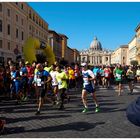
(134, 62)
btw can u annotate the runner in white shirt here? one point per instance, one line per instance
(54, 80)
(88, 86)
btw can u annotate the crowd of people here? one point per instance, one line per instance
(22, 81)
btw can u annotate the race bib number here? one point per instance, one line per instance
(60, 83)
(38, 80)
(86, 82)
(106, 74)
(118, 76)
(21, 73)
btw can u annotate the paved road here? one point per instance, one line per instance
(111, 122)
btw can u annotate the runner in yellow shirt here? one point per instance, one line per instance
(62, 85)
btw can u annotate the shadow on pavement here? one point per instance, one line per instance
(12, 120)
(77, 126)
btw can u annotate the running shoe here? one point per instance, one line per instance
(68, 99)
(97, 109)
(85, 110)
(25, 99)
(37, 113)
(61, 107)
(22, 98)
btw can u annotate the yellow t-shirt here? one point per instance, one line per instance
(35, 71)
(62, 80)
(48, 69)
(71, 74)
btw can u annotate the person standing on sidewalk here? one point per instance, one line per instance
(88, 87)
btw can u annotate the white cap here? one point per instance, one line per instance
(84, 64)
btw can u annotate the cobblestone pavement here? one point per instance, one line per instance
(110, 122)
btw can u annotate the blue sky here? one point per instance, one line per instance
(113, 23)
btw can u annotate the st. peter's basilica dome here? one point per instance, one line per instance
(96, 45)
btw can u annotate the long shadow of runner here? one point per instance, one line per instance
(77, 126)
(11, 120)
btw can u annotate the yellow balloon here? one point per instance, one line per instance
(30, 47)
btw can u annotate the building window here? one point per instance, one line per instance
(33, 28)
(16, 3)
(33, 17)
(30, 27)
(36, 31)
(39, 23)
(8, 12)
(16, 33)
(22, 21)
(22, 35)
(17, 18)
(36, 20)
(8, 29)
(0, 43)
(0, 25)
(9, 46)
(30, 15)
(0, 7)
(22, 6)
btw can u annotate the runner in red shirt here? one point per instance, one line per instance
(107, 74)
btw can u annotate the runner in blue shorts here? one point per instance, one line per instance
(88, 87)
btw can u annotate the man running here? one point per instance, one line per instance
(118, 74)
(130, 78)
(41, 79)
(61, 77)
(88, 86)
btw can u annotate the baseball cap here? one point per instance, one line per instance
(84, 64)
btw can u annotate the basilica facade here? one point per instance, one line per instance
(95, 55)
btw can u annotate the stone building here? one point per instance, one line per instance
(120, 55)
(95, 55)
(18, 21)
(55, 41)
(132, 51)
(138, 43)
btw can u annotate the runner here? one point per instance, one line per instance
(15, 84)
(138, 74)
(62, 85)
(41, 79)
(130, 78)
(102, 76)
(54, 80)
(77, 75)
(107, 73)
(72, 81)
(46, 66)
(24, 80)
(118, 74)
(96, 72)
(89, 87)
